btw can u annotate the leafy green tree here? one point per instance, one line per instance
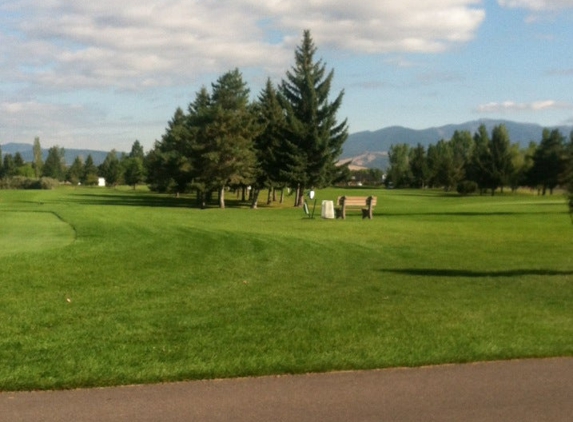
(446, 172)
(462, 145)
(419, 166)
(55, 165)
(521, 161)
(399, 172)
(75, 171)
(491, 165)
(313, 137)
(549, 160)
(111, 169)
(38, 162)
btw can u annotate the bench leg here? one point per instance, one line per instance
(367, 213)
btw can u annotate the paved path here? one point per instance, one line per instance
(517, 391)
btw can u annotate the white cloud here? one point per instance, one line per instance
(537, 5)
(135, 44)
(56, 123)
(511, 106)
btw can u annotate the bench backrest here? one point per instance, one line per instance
(355, 201)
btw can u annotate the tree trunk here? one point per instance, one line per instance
(282, 195)
(222, 197)
(255, 200)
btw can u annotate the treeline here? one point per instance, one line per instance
(117, 169)
(484, 163)
(288, 137)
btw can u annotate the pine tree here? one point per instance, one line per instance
(111, 169)
(90, 172)
(75, 171)
(313, 138)
(225, 136)
(272, 121)
(168, 164)
(55, 164)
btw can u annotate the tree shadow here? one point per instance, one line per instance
(470, 213)
(137, 199)
(437, 272)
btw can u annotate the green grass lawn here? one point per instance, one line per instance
(105, 287)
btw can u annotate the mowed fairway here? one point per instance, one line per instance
(143, 288)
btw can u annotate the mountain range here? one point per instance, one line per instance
(70, 155)
(362, 149)
(370, 149)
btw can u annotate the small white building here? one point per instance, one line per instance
(101, 181)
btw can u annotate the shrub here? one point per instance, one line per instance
(467, 187)
(21, 182)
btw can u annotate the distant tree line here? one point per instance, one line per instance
(484, 163)
(116, 168)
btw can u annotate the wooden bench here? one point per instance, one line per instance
(366, 203)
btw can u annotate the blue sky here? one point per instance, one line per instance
(102, 74)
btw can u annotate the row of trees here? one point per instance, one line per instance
(116, 168)
(482, 162)
(288, 137)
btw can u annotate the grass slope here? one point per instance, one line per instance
(152, 290)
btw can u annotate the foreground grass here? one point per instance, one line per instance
(141, 288)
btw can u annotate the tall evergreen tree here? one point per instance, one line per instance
(549, 160)
(74, 173)
(90, 172)
(500, 148)
(8, 166)
(168, 164)
(38, 162)
(313, 137)
(55, 165)
(272, 121)
(137, 150)
(111, 169)
(226, 135)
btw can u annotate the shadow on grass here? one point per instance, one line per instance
(470, 213)
(152, 200)
(437, 272)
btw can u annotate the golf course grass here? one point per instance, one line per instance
(112, 286)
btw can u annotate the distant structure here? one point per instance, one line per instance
(101, 181)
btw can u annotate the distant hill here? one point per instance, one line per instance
(363, 144)
(69, 154)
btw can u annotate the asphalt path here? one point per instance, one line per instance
(536, 390)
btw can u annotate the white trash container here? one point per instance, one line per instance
(327, 209)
